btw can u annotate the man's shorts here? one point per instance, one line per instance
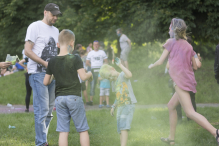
(83, 86)
(68, 107)
(124, 117)
(124, 54)
(104, 91)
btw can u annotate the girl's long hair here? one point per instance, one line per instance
(179, 27)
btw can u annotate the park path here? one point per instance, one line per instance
(20, 108)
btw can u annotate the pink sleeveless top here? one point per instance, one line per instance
(180, 67)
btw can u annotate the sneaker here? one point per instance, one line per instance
(108, 106)
(27, 110)
(87, 103)
(104, 102)
(100, 106)
(90, 103)
(46, 144)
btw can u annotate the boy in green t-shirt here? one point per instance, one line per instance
(69, 104)
(125, 98)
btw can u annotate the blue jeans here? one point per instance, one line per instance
(43, 103)
(93, 83)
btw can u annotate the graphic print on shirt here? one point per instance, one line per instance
(97, 58)
(122, 94)
(48, 52)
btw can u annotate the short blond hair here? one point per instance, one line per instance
(66, 36)
(179, 27)
(105, 71)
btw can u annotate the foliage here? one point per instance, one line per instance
(142, 20)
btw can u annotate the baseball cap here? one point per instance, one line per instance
(53, 8)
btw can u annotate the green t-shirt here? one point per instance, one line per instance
(64, 69)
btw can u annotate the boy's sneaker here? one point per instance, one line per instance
(46, 144)
(108, 106)
(90, 103)
(104, 102)
(100, 106)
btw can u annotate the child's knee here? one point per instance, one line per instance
(170, 106)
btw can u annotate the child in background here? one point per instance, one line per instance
(104, 91)
(125, 98)
(83, 86)
(17, 67)
(65, 68)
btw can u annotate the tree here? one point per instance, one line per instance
(142, 20)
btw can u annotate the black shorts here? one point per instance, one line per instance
(83, 86)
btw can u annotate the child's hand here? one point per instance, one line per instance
(150, 66)
(117, 61)
(112, 112)
(199, 57)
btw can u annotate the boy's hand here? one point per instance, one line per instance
(117, 61)
(150, 66)
(112, 112)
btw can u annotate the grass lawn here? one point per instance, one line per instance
(147, 127)
(150, 87)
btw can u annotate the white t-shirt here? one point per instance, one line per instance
(123, 40)
(96, 58)
(45, 38)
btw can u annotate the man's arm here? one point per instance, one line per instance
(83, 75)
(129, 42)
(30, 54)
(105, 61)
(88, 63)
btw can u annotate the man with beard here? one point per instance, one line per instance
(40, 47)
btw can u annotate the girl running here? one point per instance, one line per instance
(181, 55)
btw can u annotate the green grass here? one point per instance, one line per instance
(151, 87)
(145, 131)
